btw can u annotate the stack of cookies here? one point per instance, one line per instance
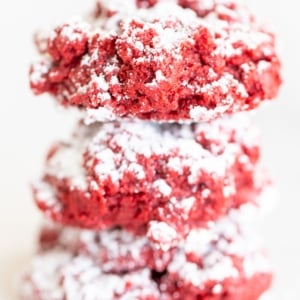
(153, 196)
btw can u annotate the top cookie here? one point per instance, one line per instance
(167, 60)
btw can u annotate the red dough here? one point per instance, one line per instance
(168, 177)
(160, 60)
(216, 263)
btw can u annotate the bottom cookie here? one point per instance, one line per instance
(57, 275)
(221, 262)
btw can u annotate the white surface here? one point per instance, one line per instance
(28, 125)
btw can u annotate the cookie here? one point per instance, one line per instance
(57, 275)
(221, 261)
(176, 60)
(221, 266)
(116, 250)
(132, 174)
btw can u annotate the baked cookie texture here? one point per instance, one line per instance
(222, 261)
(147, 176)
(182, 61)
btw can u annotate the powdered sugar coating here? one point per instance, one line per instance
(160, 60)
(58, 275)
(116, 250)
(210, 262)
(223, 253)
(130, 174)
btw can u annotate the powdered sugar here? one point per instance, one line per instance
(68, 165)
(145, 139)
(162, 234)
(163, 187)
(39, 71)
(45, 192)
(217, 270)
(216, 246)
(79, 278)
(73, 32)
(200, 113)
(92, 115)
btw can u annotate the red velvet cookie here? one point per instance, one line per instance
(217, 265)
(59, 275)
(176, 60)
(135, 174)
(116, 250)
(217, 262)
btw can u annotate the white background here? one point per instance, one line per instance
(28, 125)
